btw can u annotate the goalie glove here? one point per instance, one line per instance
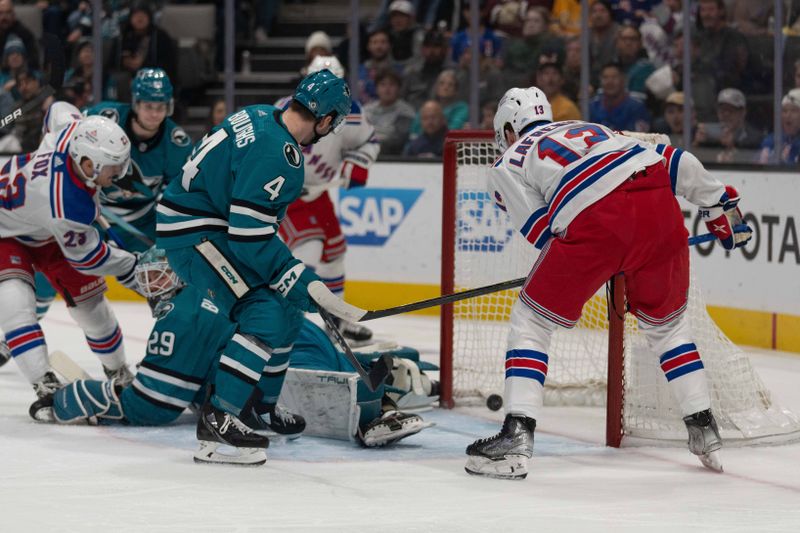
(294, 285)
(725, 220)
(354, 175)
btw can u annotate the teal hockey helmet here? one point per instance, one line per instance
(156, 279)
(323, 94)
(152, 85)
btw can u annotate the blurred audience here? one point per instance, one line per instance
(550, 80)
(614, 107)
(217, 113)
(404, 32)
(491, 45)
(445, 93)
(389, 115)
(566, 18)
(634, 60)
(430, 142)
(790, 123)
(602, 36)
(420, 76)
(722, 50)
(736, 138)
(521, 54)
(379, 49)
(10, 26)
(671, 123)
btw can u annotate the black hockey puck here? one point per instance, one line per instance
(494, 402)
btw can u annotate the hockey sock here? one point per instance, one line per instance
(273, 375)
(526, 361)
(24, 337)
(680, 362)
(332, 275)
(240, 367)
(99, 325)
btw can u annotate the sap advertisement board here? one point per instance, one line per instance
(393, 230)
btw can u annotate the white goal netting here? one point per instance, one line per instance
(488, 250)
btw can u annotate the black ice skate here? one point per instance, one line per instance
(504, 456)
(354, 332)
(42, 409)
(123, 375)
(275, 420)
(5, 353)
(704, 439)
(390, 427)
(47, 386)
(216, 428)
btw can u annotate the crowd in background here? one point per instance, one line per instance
(415, 62)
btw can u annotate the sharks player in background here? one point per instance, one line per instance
(596, 203)
(47, 208)
(183, 350)
(311, 229)
(159, 148)
(219, 224)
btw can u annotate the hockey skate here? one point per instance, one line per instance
(217, 428)
(505, 455)
(42, 409)
(275, 420)
(390, 428)
(123, 375)
(356, 333)
(704, 439)
(5, 353)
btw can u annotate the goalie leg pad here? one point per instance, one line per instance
(88, 401)
(390, 428)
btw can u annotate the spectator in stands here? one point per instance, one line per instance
(491, 83)
(566, 18)
(420, 76)
(631, 55)
(671, 123)
(79, 22)
(406, 36)
(550, 80)
(505, 16)
(790, 123)
(426, 13)
(82, 70)
(488, 110)
(217, 113)
(572, 69)
(430, 143)
(521, 54)
(143, 45)
(614, 107)
(28, 126)
(732, 133)
(9, 25)
(445, 93)
(78, 92)
(389, 115)
(674, 19)
(722, 50)
(317, 44)
(632, 12)
(13, 62)
(751, 17)
(491, 45)
(603, 37)
(379, 49)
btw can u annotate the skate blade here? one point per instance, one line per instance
(513, 467)
(207, 454)
(711, 461)
(385, 439)
(278, 437)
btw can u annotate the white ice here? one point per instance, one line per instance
(143, 479)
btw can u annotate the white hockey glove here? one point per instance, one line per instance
(354, 175)
(725, 220)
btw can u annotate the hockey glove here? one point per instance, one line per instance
(293, 285)
(128, 280)
(354, 175)
(725, 220)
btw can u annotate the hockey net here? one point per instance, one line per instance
(604, 360)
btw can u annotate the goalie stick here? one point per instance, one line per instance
(66, 367)
(381, 368)
(488, 289)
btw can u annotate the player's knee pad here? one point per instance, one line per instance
(94, 316)
(18, 304)
(87, 401)
(529, 329)
(309, 252)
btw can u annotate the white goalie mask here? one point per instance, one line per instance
(104, 142)
(326, 62)
(519, 108)
(155, 277)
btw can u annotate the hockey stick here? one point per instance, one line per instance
(381, 368)
(110, 232)
(488, 289)
(20, 110)
(66, 367)
(127, 226)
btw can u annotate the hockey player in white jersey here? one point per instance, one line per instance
(47, 207)
(597, 203)
(311, 229)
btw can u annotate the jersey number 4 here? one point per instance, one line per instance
(192, 166)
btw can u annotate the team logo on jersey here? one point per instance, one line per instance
(292, 155)
(482, 225)
(162, 309)
(180, 138)
(110, 113)
(369, 217)
(15, 260)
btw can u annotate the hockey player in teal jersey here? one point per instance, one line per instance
(183, 350)
(219, 224)
(159, 149)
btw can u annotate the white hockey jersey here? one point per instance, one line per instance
(556, 171)
(43, 199)
(355, 142)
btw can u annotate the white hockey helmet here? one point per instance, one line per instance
(518, 108)
(155, 276)
(326, 62)
(104, 142)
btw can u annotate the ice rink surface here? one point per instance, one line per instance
(125, 479)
